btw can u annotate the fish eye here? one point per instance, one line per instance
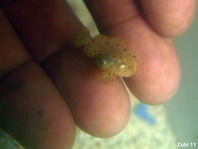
(105, 61)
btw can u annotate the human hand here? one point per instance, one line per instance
(47, 87)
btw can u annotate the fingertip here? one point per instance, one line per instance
(156, 84)
(108, 113)
(100, 108)
(169, 18)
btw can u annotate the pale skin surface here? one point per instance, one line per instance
(47, 87)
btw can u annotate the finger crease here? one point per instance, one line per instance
(120, 22)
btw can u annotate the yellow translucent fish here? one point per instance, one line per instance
(110, 54)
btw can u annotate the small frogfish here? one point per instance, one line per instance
(110, 54)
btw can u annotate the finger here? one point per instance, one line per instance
(91, 100)
(30, 107)
(12, 54)
(170, 18)
(32, 110)
(34, 21)
(158, 73)
(100, 108)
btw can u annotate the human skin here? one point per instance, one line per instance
(48, 87)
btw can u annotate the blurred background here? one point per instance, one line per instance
(183, 108)
(149, 127)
